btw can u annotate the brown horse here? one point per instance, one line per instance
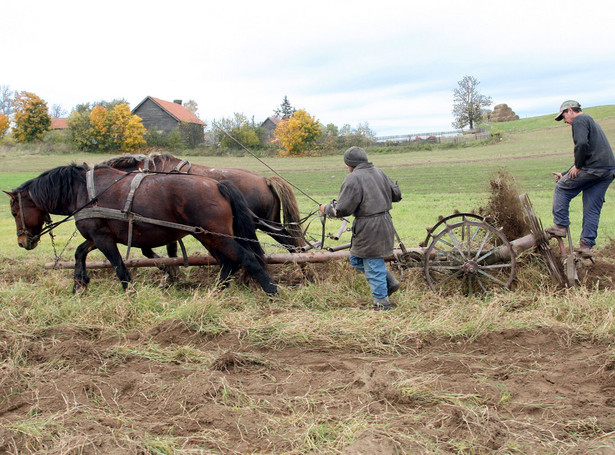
(266, 197)
(144, 211)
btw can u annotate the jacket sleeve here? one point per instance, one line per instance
(395, 192)
(349, 198)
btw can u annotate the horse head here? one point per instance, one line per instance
(29, 218)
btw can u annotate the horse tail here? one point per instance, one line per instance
(243, 224)
(290, 207)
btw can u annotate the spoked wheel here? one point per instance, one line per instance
(470, 257)
(448, 220)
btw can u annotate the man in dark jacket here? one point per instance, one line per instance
(592, 173)
(367, 193)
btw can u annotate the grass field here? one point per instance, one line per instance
(190, 370)
(433, 182)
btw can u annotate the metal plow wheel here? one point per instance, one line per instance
(465, 257)
(448, 220)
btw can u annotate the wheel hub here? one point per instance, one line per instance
(470, 268)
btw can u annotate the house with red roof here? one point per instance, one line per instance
(269, 126)
(59, 123)
(166, 116)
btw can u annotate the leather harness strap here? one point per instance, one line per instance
(133, 188)
(127, 214)
(181, 164)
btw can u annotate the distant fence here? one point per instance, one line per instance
(456, 137)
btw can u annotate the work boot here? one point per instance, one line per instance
(584, 251)
(392, 283)
(557, 231)
(382, 304)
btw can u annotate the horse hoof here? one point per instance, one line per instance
(80, 287)
(78, 290)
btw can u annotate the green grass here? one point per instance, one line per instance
(433, 182)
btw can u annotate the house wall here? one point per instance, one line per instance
(154, 118)
(269, 127)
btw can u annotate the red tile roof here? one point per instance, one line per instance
(59, 123)
(178, 111)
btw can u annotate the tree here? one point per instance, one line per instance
(31, 117)
(285, 111)
(298, 133)
(242, 130)
(116, 128)
(468, 103)
(4, 124)
(191, 106)
(79, 128)
(361, 136)
(57, 111)
(105, 126)
(329, 137)
(6, 100)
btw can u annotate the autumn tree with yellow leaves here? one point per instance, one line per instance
(298, 133)
(4, 124)
(116, 128)
(31, 117)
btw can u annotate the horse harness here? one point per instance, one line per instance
(178, 168)
(23, 230)
(127, 215)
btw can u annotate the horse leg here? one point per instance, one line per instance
(228, 268)
(170, 271)
(230, 255)
(111, 252)
(81, 278)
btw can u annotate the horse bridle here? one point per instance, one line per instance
(24, 230)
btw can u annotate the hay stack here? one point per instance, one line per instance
(502, 113)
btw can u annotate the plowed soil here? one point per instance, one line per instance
(529, 389)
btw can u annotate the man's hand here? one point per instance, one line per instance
(322, 208)
(556, 176)
(573, 172)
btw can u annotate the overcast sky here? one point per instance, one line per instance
(392, 64)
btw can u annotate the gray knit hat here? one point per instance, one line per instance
(355, 156)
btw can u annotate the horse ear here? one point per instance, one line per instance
(11, 195)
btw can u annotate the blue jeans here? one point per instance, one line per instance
(376, 273)
(593, 183)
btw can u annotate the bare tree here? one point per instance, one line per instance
(192, 106)
(468, 103)
(57, 111)
(6, 100)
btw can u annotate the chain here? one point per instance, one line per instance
(53, 243)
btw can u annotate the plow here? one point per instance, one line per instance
(462, 252)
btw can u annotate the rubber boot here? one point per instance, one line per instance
(382, 304)
(392, 283)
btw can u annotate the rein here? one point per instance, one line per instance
(50, 226)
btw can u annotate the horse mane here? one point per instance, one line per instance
(126, 161)
(55, 188)
(131, 162)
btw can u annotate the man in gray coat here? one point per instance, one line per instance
(367, 193)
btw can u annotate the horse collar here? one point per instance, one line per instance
(89, 178)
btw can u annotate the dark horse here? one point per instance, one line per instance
(266, 197)
(164, 208)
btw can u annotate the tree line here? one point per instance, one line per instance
(111, 127)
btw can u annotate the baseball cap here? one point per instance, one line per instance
(566, 105)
